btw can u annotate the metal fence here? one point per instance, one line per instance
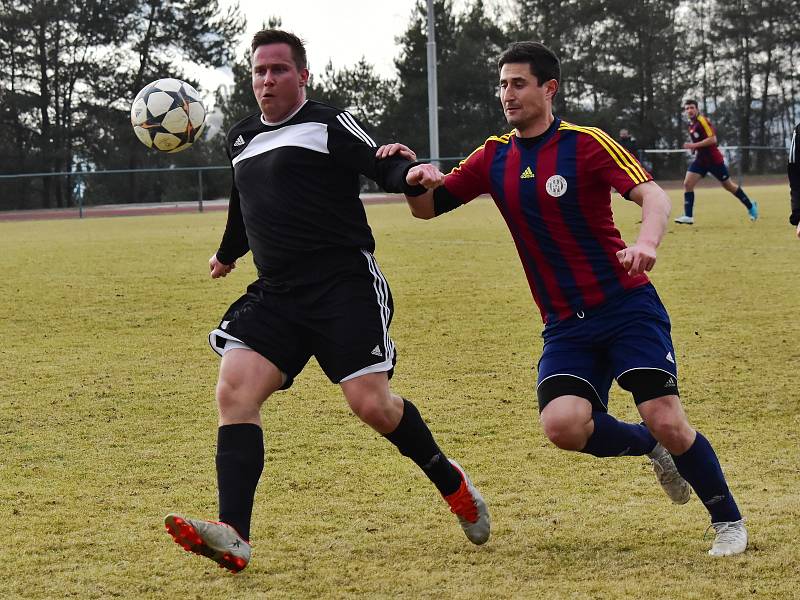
(158, 186)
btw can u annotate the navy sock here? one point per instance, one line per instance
(699, 466)
(240, 460)
(617, 438)
(414, 440)
(688, 203)
(739, 193)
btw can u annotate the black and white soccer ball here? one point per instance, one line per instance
(168, 115)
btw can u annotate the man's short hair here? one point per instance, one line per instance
(543, 62)
(689, 102)
(277, 36)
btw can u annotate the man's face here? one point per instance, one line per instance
(691, 111)
(278, 86)
(523, 99)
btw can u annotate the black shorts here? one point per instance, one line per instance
(342, 321)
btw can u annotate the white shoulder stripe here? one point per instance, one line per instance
(793, 148)
(350, 124)
(313, 136)
(355, 124)
(347, 125)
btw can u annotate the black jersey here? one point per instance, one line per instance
(295, 199)
(793, 168)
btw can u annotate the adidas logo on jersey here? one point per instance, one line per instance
(527, 174)
(377, 351)
(669, 358)
(239, 142)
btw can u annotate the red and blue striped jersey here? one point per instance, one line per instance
(699, 130)
(555, 196)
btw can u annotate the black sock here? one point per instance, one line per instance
(414, 440)
(739, 193)
(240, 460)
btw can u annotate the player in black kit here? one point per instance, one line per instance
(793, 170)
(295, 205)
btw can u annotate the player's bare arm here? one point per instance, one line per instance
(709, 141)
(656, 207)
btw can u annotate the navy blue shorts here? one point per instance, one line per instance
(720, 170)
(628, 337)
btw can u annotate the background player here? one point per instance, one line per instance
(295, 204)
(552, 181)
(793, 169)
(708, 159)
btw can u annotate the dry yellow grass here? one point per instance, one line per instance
(107, 421)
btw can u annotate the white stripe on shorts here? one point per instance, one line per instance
(382, 295)
(382, 292)
(230, 342)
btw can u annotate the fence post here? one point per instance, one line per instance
(739, 167)
(200, 190)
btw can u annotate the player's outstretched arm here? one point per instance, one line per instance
(429, 177)
(656, 207)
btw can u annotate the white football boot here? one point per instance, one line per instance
(731, 538)
(676, 487)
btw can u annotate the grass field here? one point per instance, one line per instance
(107, 421)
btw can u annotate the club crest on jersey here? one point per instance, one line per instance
(556, 186)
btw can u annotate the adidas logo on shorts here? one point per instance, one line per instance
(377, 351)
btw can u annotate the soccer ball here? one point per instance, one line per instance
(168, 115)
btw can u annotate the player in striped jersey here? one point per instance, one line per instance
(295, 204)
(708, 159)
(793, 170)
(552, 182)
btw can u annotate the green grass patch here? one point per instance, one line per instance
(107, 420)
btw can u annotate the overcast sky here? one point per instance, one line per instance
(341, 31)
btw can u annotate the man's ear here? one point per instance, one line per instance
(552, 88)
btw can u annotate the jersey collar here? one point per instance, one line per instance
(534, 141)
(281, 122)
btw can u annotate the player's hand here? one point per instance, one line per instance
(425, 175)
(798, 230)
(388, 150)
(689, 145)
(638, 258)
(219, 269)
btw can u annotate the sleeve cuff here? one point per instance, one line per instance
(412, 191)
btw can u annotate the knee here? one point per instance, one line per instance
(232, 399)
(564, 432)
(672, 431)
(375, 411)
